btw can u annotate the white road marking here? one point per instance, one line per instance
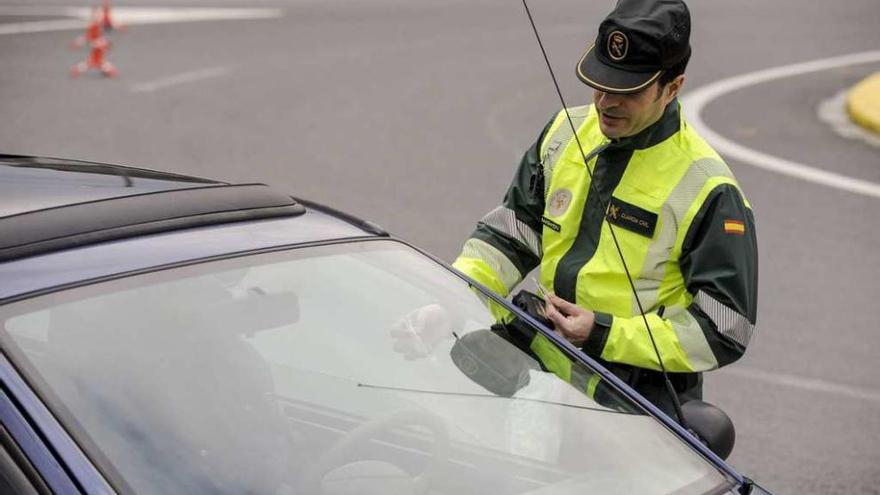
(695, 101)
(810, 384)
(42, 26)
(127, 16)
(185, 77)
(42, 10)
(156, 15)
(833, 112)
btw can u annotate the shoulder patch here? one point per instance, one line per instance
(559, 202)
(734, 227)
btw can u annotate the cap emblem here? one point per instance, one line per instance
(618, 45)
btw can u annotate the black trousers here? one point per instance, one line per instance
(650, 384)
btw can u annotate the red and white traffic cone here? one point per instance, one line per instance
(107, 20)
(96, 60)
(93, 31)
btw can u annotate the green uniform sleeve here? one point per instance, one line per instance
(506, 244)
(719, 262)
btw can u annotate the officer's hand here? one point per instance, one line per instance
(570, 320)
(418, 332)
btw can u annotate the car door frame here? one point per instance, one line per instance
(41, 443)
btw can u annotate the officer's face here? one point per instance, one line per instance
(626, 115)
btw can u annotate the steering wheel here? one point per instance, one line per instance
(337, 454)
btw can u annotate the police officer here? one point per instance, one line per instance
(684, 227)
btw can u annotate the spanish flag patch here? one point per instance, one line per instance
(734, 227)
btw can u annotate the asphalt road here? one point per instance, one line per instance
(413, 113)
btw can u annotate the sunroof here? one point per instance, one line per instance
(71, 225)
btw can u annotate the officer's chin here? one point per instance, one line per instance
(612, 133)
(612, 128)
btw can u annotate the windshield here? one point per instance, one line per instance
(287, 373)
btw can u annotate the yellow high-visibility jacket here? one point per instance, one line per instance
(685, 229)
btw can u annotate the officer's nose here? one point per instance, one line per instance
(604, 101)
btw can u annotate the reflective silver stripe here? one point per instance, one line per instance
(672, 215)
(651, 275)
(559, 140)
(713, 167)
(727, 321)
(687, 329)
(690, 185)
(504, 220)
(503, 267)
(648, 291)
(692, 339)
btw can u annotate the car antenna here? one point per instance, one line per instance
(604, 203)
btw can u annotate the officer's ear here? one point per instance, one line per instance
(673, 88)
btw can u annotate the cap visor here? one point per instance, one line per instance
(592, 72)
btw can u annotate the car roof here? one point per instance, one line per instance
(50, 204)
(29, 183)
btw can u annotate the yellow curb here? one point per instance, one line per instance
(863, 103)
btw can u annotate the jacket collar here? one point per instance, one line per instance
(668, 124)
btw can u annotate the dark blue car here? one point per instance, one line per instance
(166, 334)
